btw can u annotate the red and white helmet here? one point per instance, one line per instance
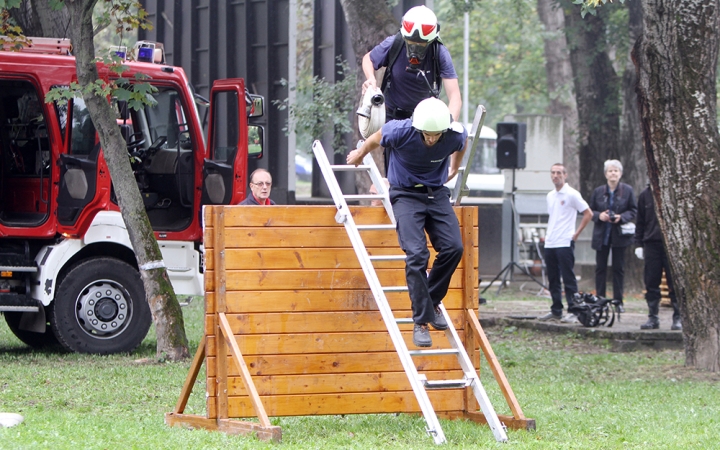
(419, 24)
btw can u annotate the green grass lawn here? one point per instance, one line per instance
(580, 394)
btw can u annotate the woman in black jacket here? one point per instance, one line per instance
(612, 205)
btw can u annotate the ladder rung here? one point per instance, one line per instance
(364, 197)
(348, 168)
(395, 289)
(434, 352)
(400, 320)
(446, 384)
(380, 226)
(387, 258)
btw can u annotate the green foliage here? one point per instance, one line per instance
(321, 107)
(590, 6)
(507, 73)
(137, 95)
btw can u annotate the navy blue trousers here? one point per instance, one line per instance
(416, 213)
(560, 263)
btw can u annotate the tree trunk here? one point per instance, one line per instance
(38, 19)
(559, 83)
(369, 22)
(166, 312)
(676, 60)
(596, 92)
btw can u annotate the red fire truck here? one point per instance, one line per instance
(68, 272)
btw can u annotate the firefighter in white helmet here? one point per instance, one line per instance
(424, 152)
(417, 65)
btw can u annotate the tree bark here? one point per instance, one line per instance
(676, 60)
(369, 22)
(38, 19)
(559, 83)
(596, 92)
(166, 312)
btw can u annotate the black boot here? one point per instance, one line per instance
(652, 324)
(421, 335)
(676, 325)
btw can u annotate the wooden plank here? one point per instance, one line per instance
(293, 215)
(509, 421)
(470, 282)
(335, 363)
(354, 403)
(269, 433)
(245, 374)
(293, 343)
(193, 422)
(240, 280)
(219, 281)
(322, 322)
(305, 237)
(191, 377)
(312, 258)
(495, 365)
(320, 300)
(332, 383)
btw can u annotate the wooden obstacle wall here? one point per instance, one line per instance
(306, 322)
(285, 283)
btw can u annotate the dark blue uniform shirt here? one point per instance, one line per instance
(411, 161)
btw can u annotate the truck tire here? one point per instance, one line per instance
(35, 340)
(100, 308)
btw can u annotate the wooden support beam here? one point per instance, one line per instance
(219, 276)
(244, 372)
(495, 366)
(509, 421)
(272, 433)
(191, 377)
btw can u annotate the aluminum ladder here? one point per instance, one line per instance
(419, 383)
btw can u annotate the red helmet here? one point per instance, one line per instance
(419, 24)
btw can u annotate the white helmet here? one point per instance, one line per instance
(431, 115)
(419, 24)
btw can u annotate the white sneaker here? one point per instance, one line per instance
(569, 318)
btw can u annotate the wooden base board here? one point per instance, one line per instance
(509, 421)
(228, 426)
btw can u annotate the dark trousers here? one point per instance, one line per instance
(618, 268)
(560, 263)
(655, 262)
(415, 213)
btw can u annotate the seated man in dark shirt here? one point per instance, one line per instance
(260, 185)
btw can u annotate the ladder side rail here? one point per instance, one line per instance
(380, 186)
(460, 190)
(468, 368)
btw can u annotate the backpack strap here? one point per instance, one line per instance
(395, 52)
(392, 56)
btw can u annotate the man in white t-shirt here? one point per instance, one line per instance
(564, 203)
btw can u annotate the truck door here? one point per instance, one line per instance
(225, 168)
(78, 167)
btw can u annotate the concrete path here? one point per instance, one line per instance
(624, 335)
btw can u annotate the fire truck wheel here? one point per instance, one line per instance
(100, 307)
(35, 340)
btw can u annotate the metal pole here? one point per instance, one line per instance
(466, 71)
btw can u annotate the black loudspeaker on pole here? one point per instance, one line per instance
(511, 145)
